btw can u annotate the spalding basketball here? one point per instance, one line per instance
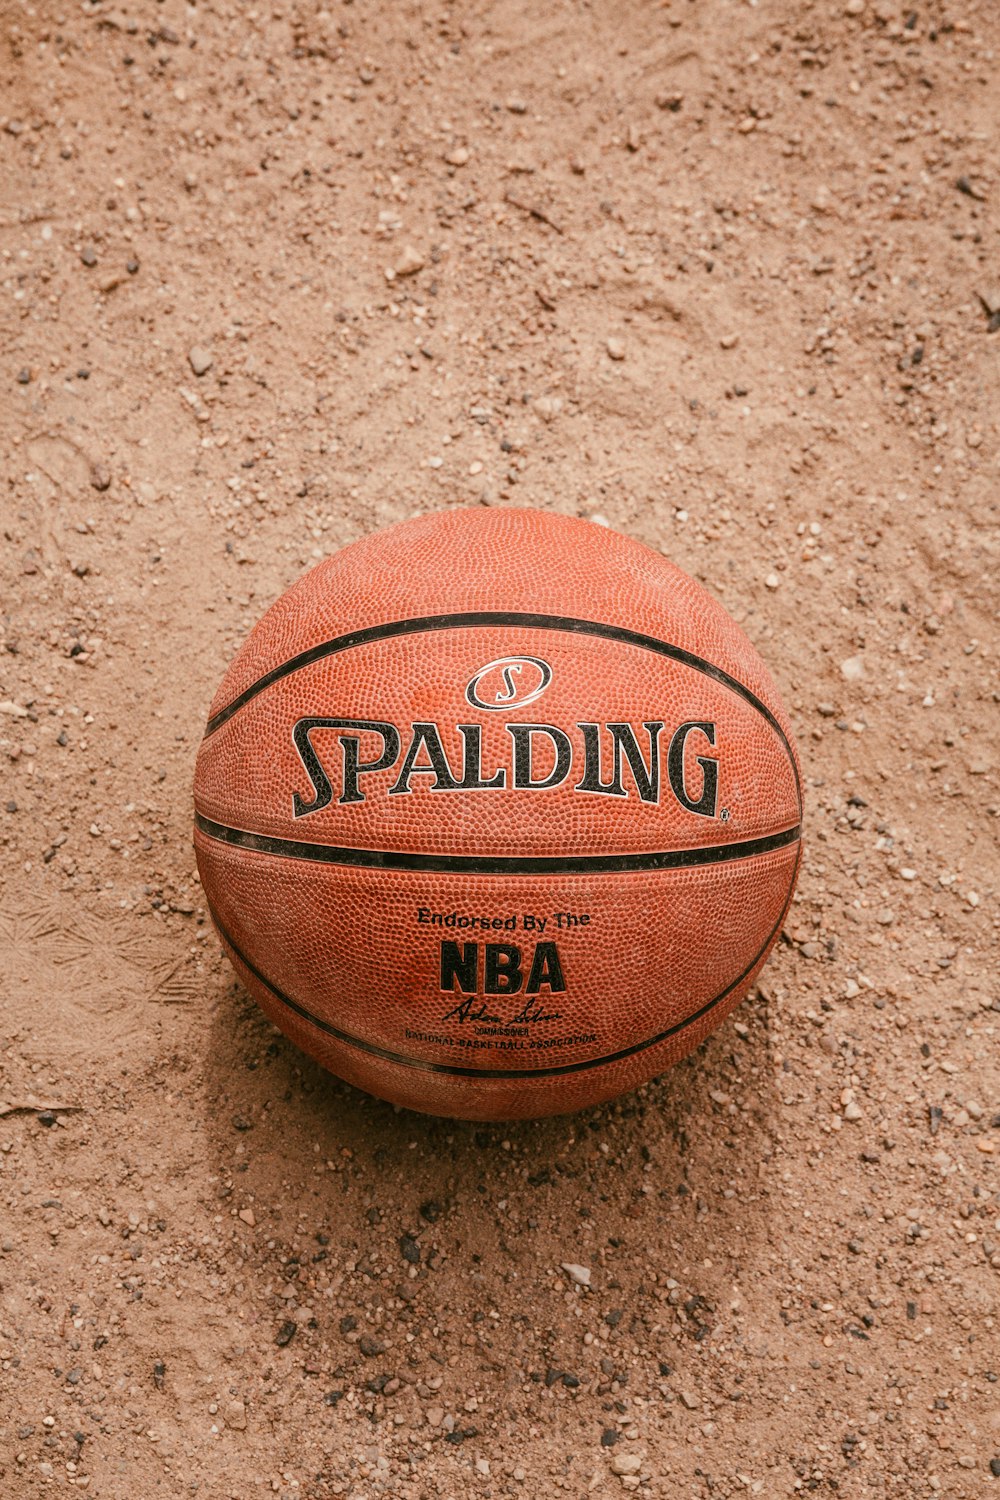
(497, 813)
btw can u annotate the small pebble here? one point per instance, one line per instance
(576, 1273)
(409, 263)
(236, 1415)
(199, 359)
(547, 407)
(616, 348)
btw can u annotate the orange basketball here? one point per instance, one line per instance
(497, 813)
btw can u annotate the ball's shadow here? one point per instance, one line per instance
(306, 1157)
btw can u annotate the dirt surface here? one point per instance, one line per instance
(723, 274)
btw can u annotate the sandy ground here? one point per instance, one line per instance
(275, 275)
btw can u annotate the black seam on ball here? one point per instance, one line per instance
(502, 864)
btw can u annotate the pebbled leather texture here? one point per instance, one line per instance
(481, 950)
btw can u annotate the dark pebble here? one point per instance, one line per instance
(240, 1123)
(665, 1369)
(571, 1382)
(24, 377)
(995, 1467)
(88, 255)
(348, 1323)
(370, 1347)
(73, 1378)
(131, 267)
(12, 805)
(285, 1333)
(332, 1397)
(609, 1437)
(431, 1211)
(935, 1116)
(46, 1118)
(614, 1317)
(552, 1377)
(409, 1249)
(159, 1370)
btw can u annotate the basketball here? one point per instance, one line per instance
(497, 813)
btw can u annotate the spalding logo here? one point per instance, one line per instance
(509, 682)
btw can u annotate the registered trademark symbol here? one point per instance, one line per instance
(724, 815)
